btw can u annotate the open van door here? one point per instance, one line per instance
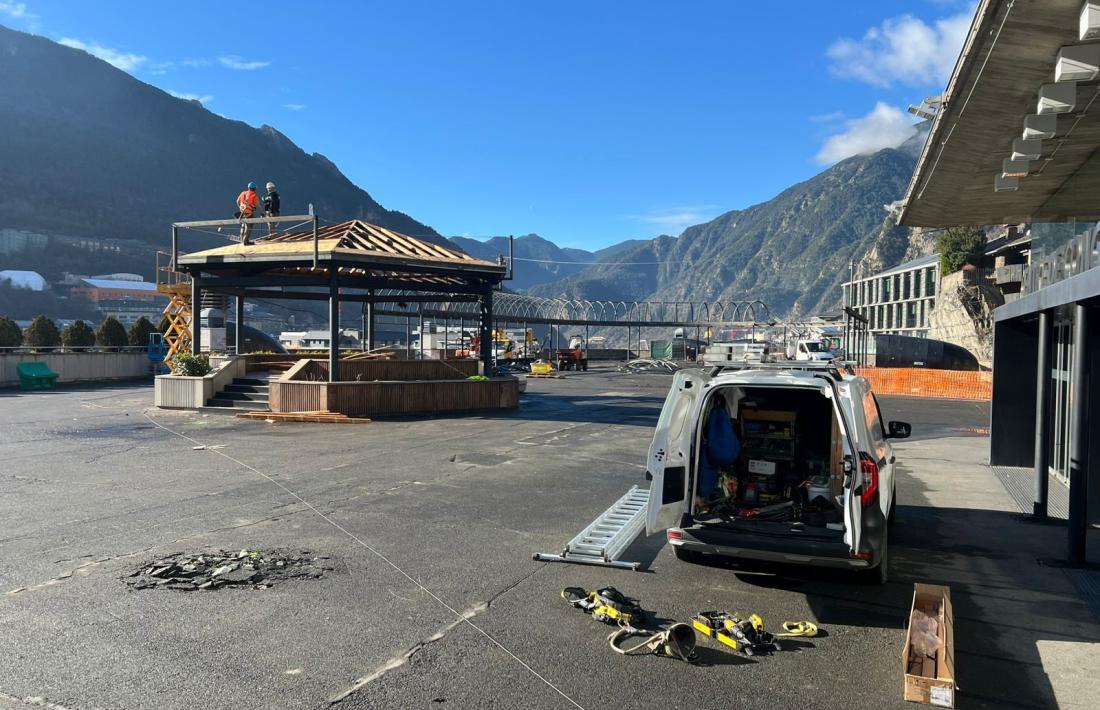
(668, 464)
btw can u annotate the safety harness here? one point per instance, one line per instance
(746, 635)
(607, 604)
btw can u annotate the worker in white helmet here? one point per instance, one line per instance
(271, 205)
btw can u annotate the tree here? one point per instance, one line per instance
(10, 335)
(78, 335)
(139, 332)
(162, 327)
(111, 334)
(959, 246)
(42, 333)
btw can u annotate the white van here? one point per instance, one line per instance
(812, 482)
(812, 350)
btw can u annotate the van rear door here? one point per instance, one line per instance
(853, 507)
(668, 463)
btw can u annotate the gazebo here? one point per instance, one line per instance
(350, 261)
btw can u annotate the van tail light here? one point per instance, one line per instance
(675, 535)
(869, 471)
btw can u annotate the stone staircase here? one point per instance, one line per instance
(248, 393)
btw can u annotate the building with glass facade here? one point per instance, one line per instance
(898, 301)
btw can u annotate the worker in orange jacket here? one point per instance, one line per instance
(247, 202)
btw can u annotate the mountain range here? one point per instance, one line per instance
(539, 261)
(103, 155)
(87, 150)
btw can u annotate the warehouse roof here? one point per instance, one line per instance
(115, 283)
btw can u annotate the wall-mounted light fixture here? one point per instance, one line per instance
(1090, 21)
(1078, 63)
(1024, 149)
(1040, 127)
(1005, 184)
(1014, 168)
(1057, 98)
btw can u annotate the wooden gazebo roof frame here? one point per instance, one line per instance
(350, 261)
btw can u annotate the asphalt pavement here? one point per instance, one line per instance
(434, 600)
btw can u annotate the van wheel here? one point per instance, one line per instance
(686, 555)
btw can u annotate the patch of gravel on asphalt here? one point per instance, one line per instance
(217, 569)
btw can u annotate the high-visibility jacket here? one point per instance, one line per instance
(247, 202)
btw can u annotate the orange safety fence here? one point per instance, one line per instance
(921, 382)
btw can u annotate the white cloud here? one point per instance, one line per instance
(884, 127)
(232, 61)
(673, 220)
(202, 99)
(902, 50)
(828, 117)
(15, 10)
(125, 61)
(294, 107)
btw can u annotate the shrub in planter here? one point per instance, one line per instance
(187, 365)
(78, 335)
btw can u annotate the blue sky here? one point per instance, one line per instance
(586, 122)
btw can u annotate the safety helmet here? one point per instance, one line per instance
(270, 186)
(251, 186)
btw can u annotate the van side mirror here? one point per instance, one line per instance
(899, 430)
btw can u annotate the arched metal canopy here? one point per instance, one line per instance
(538, 310)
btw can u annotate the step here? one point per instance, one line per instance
(244, 396)
(237, 404)
(252, 381)
(235, 387)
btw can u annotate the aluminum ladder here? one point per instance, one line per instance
(608, 535)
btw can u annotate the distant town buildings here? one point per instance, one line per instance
(317, 339)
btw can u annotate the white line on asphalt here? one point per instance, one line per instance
(462, 618)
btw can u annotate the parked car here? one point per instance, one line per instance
(812, 481)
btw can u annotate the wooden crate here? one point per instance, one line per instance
(934, 682)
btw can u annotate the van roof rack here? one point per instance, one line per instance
(837, 368)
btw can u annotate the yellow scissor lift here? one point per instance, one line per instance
(177, 286)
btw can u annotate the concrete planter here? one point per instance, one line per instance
(179, 392)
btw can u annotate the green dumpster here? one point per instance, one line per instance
(35, 376)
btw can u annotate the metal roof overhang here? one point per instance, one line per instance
(1010, 52)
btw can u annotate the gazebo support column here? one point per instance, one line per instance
(238, 326)
(485, 331)
(370, 324)
(196, 316)
(333, 331)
